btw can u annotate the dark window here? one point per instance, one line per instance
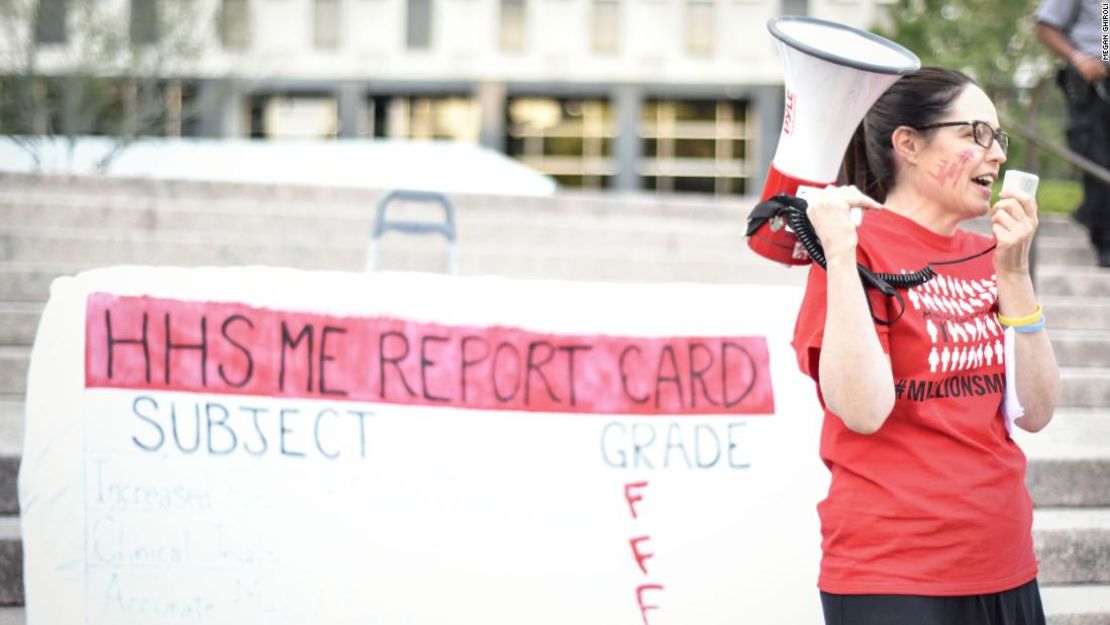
(258, 116)
(695, 185)
(191, 109)
(51, 17)
(419, 31)
(380, 106)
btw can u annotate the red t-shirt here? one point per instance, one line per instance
(935, 502)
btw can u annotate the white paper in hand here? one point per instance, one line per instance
(1014, 180)
(1011, 407)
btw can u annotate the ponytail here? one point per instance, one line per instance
(855, 170)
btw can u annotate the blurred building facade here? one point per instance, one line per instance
(666, 95)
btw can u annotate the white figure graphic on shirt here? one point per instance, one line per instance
(991, 325)
(960, 332)
(971, 330)
(934, 360)
(931, 328)
(944, 358)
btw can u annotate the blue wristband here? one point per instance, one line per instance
(1031, 328)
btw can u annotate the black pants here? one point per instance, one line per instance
(1089, 135)
(1020, 606)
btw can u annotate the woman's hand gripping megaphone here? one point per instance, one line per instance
(834, 213)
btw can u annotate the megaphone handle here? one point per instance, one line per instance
(807, 236)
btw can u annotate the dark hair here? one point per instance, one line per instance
(916, 99)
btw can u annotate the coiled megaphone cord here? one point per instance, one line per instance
(792, 210)
(885, 283)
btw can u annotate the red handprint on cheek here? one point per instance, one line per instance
(949, 173)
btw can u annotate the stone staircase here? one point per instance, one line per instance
(57, 226)
(1069, 461)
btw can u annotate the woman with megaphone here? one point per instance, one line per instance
(928, 520)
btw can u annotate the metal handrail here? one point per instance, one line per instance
(1080, 162)
(446, 228)
(1069, 156)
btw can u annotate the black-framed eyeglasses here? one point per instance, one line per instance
(982, 131)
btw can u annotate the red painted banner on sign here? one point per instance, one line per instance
(231, 348)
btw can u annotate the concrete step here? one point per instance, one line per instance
(1086, 604)
(11, 562)
(1074, 433)
(1062, 280)
(30, 281)
(18, 322)
(1064, 605)
(1085, 387)
(1081, 348)
(109, 247)
(1064, 250)
(1073, 545)
(1060, 226)
(202, 217)
(14, 361)
(90, 196)
(1069, 461)
(150, 213)
(1076, 313)
(9, 484)
(332, 245)
(1079, 482)
(11, 425)
(105, 197)
(11, 449)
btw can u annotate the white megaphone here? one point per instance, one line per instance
(833, 74)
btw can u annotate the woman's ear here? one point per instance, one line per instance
(907, 144)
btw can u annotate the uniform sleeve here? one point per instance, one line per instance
(1057, 13)
(809, 329)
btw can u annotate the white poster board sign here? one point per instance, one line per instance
(266, 445)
